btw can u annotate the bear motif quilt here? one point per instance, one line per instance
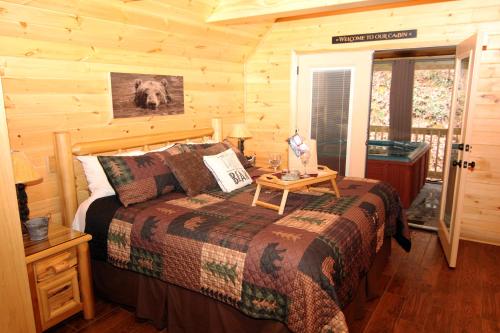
(300, 268)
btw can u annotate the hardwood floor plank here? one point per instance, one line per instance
(405, 326)
(386, 314)
(490, 326)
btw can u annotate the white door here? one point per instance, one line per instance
(333, 103)
(457, 160)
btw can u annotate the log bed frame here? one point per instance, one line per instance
(72, 182)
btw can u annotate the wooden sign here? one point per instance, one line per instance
(387, 35)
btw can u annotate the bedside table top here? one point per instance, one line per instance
(58, 237)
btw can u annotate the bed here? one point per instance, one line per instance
(213, 263)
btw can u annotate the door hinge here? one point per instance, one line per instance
(297, 70)
(462, 146)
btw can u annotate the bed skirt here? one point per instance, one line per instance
(181, 310)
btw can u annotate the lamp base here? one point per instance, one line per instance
(241, 145)
(22, 202)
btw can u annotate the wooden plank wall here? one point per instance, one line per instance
(55, 59)
(16, 313)
(268, 84)
(481, 215)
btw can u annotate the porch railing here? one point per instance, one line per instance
(435, 137)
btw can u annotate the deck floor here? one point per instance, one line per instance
(422, 295)
(424, 210)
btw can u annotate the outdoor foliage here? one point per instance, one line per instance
(431, 98)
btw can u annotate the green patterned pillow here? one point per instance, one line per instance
(138, 178)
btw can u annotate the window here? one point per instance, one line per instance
(330, 116)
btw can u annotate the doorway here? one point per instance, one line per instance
(409, 120)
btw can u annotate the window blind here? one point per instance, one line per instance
(330, 116)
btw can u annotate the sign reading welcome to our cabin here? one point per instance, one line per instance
(371, 37)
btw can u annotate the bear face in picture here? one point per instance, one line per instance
(151, 94)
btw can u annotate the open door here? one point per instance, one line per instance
(457, 162)
(333, 104)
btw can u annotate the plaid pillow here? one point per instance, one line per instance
(191, 172)
(138, 178)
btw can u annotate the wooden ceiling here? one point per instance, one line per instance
(152, 27)
(245, 11)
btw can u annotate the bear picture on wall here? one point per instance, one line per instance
(137, 95)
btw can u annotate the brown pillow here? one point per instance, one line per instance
(138, 178)
(203, 146)
(214, 149)
(222, 146)
(243, 160)
(191, 173)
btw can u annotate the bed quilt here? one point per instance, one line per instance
(300, 268)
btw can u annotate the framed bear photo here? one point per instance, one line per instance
(138, 95)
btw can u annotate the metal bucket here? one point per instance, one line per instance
(38, 228)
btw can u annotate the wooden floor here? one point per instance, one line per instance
(422, 295)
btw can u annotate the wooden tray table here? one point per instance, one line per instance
(272, 181)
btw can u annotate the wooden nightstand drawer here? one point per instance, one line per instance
(53, 265)
(59, 296)
(59, 276)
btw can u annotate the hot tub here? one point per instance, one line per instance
(402, 164)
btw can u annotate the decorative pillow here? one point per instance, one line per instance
(162, 148)
(227, 170)
(191, 172)
(98, 183)
(212, 149)
(202, 146)
(139, 178)
(243, 160)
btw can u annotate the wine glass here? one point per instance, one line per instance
(304, 158)
(275, 160)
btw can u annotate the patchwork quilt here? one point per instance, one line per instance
(300, 268)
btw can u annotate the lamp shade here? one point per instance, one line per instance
(24, 172)
(240, 131)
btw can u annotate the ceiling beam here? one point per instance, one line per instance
(245, 11)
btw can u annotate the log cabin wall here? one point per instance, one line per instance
(55, 59)
(269, 79)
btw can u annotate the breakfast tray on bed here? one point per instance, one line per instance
(325, 174)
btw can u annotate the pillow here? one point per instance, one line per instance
(98, 183)
(243, 160)
(202, 146)
(138, 178)
(212, 149)
(227, 170)
(190, 172)
(163, 148)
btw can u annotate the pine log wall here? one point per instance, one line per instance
(55, 59)
(269, 82)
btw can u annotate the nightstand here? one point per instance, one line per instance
(59, 276)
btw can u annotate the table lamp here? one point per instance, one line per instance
(24, 174)
(241, 132)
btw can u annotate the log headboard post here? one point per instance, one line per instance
(217, 127)
(66, 172)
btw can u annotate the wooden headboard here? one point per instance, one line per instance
(66, 151)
